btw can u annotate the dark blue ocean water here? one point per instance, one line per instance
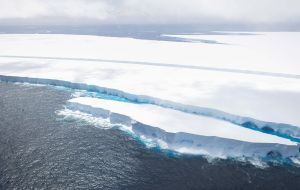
(40, 150)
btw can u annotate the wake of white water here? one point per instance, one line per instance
(105, 123)
(279, 129)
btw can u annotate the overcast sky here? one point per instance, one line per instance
(202, 12)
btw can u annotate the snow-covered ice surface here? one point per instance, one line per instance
(249, 80)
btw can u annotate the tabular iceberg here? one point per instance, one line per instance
(238, 97)
(186, 133)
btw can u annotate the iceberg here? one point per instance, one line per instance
(186, 133)
(240, 96)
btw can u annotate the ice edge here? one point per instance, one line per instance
(186, 143)
(283, 130)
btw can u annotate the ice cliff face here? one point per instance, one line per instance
(187, 142)
(183, 138)
(279, 129)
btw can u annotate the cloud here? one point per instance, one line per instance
(68, 9)
(150, 11)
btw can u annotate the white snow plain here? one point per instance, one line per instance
(243, 77)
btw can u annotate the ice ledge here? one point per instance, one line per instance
(279, 129)
(187, 139)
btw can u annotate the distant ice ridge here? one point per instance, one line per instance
(200, 135)
(279, 129)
